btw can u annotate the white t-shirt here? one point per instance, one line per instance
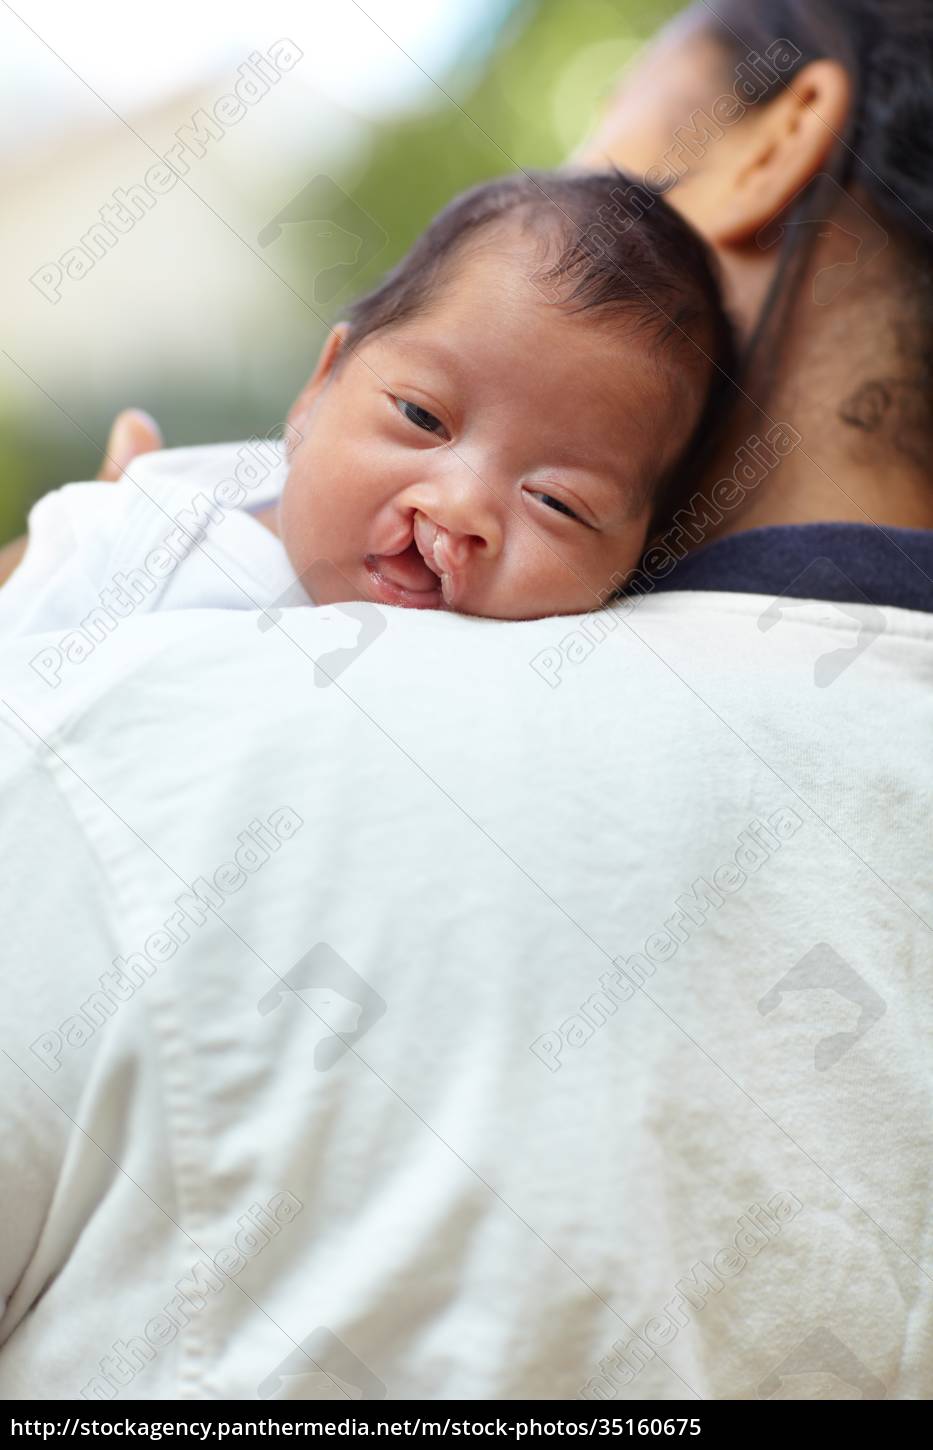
(507, 1009)
(176, 532)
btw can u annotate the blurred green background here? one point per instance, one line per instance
(188, 315)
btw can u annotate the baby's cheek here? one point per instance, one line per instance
(301, 516)
(291, 510)
(625, 550)
(555, 576)
(625, 559)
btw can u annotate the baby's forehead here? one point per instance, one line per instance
(512, 253)
(528, 279)
(498, 312)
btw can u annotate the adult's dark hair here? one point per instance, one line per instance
(607, 244)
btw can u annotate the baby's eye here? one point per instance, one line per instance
(557, 504)
(420, 416)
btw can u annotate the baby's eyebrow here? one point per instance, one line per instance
(636, 486)
(641, 491)
(634, 493)
(444, 357)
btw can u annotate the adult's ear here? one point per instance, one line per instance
(769, 156)
(330, 352)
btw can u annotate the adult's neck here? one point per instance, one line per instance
(851, 381)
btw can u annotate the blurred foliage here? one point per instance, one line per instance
(521, 97)
(538, 95)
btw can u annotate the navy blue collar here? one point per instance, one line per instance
(848, 563)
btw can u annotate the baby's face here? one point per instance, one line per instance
(494, 455)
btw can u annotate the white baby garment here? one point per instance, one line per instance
(176, 532)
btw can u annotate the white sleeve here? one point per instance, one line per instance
(71, 536)
(38, 1097)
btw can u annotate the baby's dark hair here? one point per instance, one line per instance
(609, 243)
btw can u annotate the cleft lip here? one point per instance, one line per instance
(425, 535)
(434, 545)
(401, 574)
(403, 541)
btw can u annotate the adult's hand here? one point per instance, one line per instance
(132, 434)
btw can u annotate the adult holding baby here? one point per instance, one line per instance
(628, 1095)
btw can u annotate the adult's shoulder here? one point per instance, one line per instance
(457, 959)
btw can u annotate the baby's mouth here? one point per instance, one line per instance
(405, 578)
(425, 574)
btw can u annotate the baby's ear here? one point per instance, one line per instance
(330, 352)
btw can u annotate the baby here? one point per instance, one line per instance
(497, 429)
